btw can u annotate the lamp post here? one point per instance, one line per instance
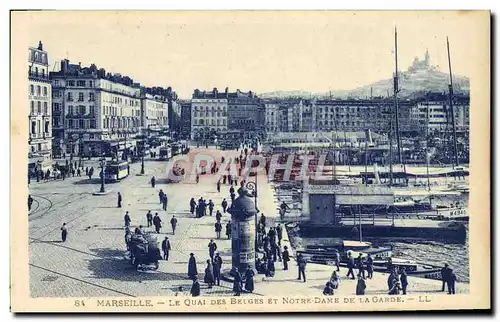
(103, 168)
(142, 157)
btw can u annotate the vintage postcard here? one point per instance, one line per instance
(250, 161)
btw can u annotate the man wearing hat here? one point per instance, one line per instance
(286, 258)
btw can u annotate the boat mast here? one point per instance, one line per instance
(427, 144)
(450, 88)
(396, 91)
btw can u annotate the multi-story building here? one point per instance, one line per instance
(271, 117)
(185, 118)
(95, 112)
(40, 100)
(433, 112)
(154, 112)
(208, 114)
(243, 111)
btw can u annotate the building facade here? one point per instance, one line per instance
(154, 113)
(243, 111)
(185, 118)
(95, 113)
(40, 101)
(209, 115)
(271, 117)
(433, 113)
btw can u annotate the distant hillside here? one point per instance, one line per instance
(420, 77)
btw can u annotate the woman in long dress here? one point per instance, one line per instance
(209, 274)
(249, 283)
(237, 282)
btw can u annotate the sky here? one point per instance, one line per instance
(258, 51)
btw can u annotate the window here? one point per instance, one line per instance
(32, 90)
(32, 107)
(80, 83)
(201, 122)
(33, 127)
(47, 126)
(71, 83)
(39, 107)
(91, 97)
(81, 109)
(91, 83)
(38, 128)
(56, 121)
(70, 109)
(80, 97)
(43, 72)
(36, 68)
(56, 94)
(45, 91)
(38, 90)
(56, 82)
(45, 109)
(70, 123)
(70, 96)
(92, 124)
(92, 110)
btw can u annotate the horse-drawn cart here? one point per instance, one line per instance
(144, 251)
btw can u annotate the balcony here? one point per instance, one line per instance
(38, 76)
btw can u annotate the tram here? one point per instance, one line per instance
(116, 171)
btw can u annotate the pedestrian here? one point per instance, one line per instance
(444, 276)
(157, 223)
(78, 172)
(149, 218)
(126, 219)
(369, 266)
(197, 178)
(224, 179)
(224, 205)
(404, 280)
(195, 288)
(231, 190)
(263, 220)
(218, 186)
(64, 232)
(217, 264)
(396, 286)
(192, 206)
(209, 274)
(165, 247)
(153, 182)
(228, 230)
(128, 238)
(283, 208)
(360, 266)
(212, 247)
(328, 290)
(301, 262)
(452, 278)
(138, 230)
(218, 229)
(360, 286)
(173, 223)
(249, 282)
(237, 282)
(73, 171)
(210, 206)
(192, 270)
(336, 258)
(270, 267)
(391, 279)
(160, 195)
(86, 171)
(279, 233)
(335, 280)
(165, 202)
(350, 266)
(30, 201)
(286, 258)
(119, 200)
(218, 216)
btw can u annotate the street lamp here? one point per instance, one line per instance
(142, 157)
(103, 167)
